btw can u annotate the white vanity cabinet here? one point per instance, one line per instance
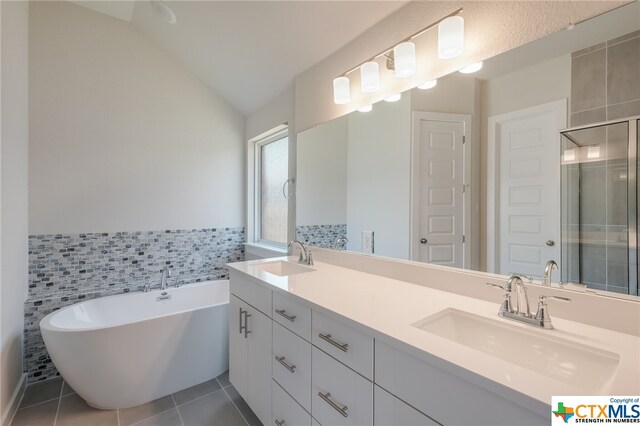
(250, 337)
(340, 396)
(292, 364)
(297, 364)
(446, 395)
(389, 410)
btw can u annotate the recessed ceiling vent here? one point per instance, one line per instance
(164, 11)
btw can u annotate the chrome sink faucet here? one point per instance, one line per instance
(521, 311)
(339, 242)
(305, 255)
(165, 274)
(548, 268)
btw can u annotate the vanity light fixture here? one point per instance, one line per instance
(165, 12)
(569, 155)
(451, 37)
(404, 55)
(341, 90)
(471, 68)
(401, 58)
(428, 85)
(394, 98)
(366, 108)
(369, 77)
(593, 152)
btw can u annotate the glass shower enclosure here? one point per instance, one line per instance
(599, 224)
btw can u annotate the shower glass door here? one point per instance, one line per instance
(599, 169)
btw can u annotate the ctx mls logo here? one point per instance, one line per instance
(565, 413)
(595, 409)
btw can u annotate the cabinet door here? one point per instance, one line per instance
(259, 364)
(286, 411)
(237, 346)
(389, 410)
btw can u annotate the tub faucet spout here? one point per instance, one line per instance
(166, 273)
(548, 268)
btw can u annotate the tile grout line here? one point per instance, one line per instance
(36, 404)
(178, 410)
(195, 399)
(55, 419)
(234, 404)
(156, 414)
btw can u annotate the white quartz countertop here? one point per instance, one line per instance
(387, 308)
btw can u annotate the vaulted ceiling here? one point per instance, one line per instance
(250, 51)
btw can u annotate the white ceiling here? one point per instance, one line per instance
(249, 52)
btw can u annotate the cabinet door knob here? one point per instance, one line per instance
(423, 241)
(551, 243)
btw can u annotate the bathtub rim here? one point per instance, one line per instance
(45, 323)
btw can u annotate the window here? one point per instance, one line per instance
(271, 184)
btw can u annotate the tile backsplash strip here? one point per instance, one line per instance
(66, 269)
(324, 236)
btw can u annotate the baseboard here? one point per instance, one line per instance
(14, 403)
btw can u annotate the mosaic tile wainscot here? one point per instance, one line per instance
(66, 269)
(324, 236)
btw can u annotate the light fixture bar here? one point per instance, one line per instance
(411, 37)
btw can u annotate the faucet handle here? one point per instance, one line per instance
(309, 257)
(542, 314)
(496, 286)
(529, 278)
(543, 299)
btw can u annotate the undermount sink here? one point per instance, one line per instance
(283, 268)
(584, 366)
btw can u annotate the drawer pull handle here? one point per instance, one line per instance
(342, 409)
(244, 327)
(279, 422)
(283, 313)
(281, 359)
(344, 347)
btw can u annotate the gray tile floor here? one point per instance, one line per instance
(215, 402)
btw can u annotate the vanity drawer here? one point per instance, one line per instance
(286, 411)
(291, 364)
(254, 294)
(348, 345)
(339, 396)
(389, 410)
(429, 385)
(292, 314)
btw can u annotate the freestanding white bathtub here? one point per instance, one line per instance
(125, 350)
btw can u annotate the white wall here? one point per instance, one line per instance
(378, 177)
(321, 196)
(541, 83)
(123, 138)
(13, 189)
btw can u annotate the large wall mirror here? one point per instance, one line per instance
(475, 172)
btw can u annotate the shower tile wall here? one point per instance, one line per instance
(605, 80)
(65, 269)
(324, 236)
(605, 85)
